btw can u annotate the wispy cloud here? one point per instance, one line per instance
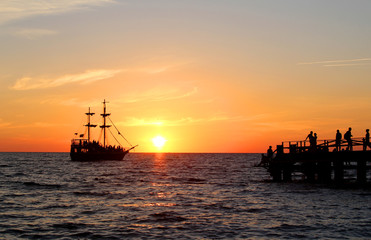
(28, 83)
(75, 102)
(182, 121)
(159, 94)
(4, 124)
(9, 125)
(155, 68)
(153, 95)
(133, 122)
(12, 10)
(34, 33)
(340, 63)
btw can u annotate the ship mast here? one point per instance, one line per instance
(104, 126)
(89, 125)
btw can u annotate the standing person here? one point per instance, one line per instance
(338, 140)
(270, 153)
(314, 140)
(266, 159)
(367, 139)
(311, 140)
(310, 136)
(348, 136)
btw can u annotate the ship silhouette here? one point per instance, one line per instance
(84, 149)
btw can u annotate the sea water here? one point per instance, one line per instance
(169, 196)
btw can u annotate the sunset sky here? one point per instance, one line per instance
(207, 76)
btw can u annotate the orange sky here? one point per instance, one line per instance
(216, 76)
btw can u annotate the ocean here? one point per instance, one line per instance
(170, 196)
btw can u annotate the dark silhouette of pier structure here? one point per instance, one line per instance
(325, 162)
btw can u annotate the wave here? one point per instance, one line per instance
(219, 206)
(257, 210)
(98, 194)
(189, 180)
(41, 185)
(56, 206)
(108, 194)
(164, 217)
(69, 225)
(293, 227)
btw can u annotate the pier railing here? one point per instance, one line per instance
(321, 145)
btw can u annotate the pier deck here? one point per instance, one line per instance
(321, 163)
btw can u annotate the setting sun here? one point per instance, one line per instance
(159, 141)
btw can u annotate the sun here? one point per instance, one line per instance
(159, 141)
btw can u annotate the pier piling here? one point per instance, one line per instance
(339, 171)
(361, 171)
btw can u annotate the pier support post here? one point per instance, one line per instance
(324, 171)
(361, 171)
(276, 175)
(339, 171)
(275, 170)
(309, 171)
(287, 172)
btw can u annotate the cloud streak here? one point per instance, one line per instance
(9, 125)
(153, 95)
(28, 83)
(340, 63)
(4, 124)
(13, 10)
(34, 33)
(134, 122)
(159, 94)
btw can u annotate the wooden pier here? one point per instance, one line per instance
(323, 163)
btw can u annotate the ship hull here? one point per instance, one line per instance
(97, 156)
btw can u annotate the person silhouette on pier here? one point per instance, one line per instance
(348, 137)
(310, 136)
(367, 139)
(364, 144)
(266, 159)
(314, 142)
(270, 153)
(338, 140)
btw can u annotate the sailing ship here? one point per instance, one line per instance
(83, 149)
